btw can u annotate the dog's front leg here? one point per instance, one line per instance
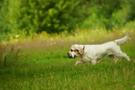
(78, 62)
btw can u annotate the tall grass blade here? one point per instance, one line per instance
(5, 60)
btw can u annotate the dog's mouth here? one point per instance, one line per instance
(71, 55)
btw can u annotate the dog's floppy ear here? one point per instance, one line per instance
(80, 49)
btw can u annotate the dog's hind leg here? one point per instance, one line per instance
(113, 57)
(125, 55)
(121, 54)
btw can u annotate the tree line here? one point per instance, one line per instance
(54, 16)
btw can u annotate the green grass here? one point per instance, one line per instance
(51, 69)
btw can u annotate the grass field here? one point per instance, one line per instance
(41, 67)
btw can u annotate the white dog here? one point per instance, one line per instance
(93, 53)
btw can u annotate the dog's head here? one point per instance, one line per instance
(76, 51)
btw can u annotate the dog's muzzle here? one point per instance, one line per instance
(71, 55)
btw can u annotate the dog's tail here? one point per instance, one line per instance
(122, 40)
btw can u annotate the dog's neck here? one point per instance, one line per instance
(83, 51)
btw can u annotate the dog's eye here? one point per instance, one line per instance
(71, 50)
(75, 50)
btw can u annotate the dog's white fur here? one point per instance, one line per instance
(93, 53)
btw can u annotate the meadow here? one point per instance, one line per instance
(40, 62)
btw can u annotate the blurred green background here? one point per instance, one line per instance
(54, 16)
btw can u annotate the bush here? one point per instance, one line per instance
(4, 23)
(110, 14)
(119, 18)
(93, 22)
(100, 13)
(44, 15)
